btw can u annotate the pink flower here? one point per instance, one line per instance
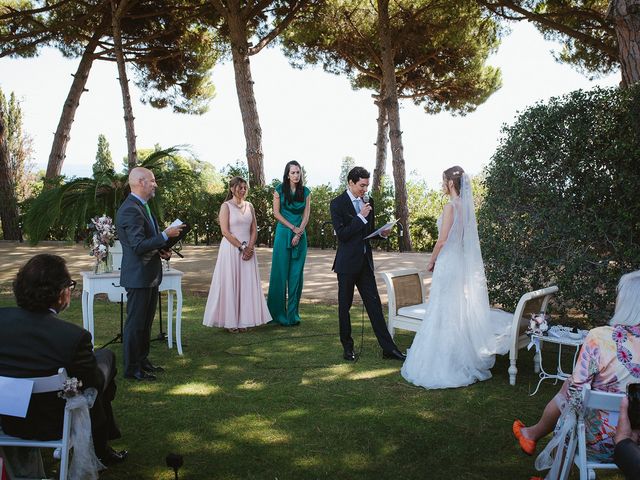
(634, 369)
(619, 335)
(624, 355)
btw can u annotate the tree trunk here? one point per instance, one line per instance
(9, 215)
(246, 96)
(382, 140)
(390, 101)
(61, 137)
(626, 18)
(132, 154)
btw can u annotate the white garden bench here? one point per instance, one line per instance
(406, 294)
(407, 307)
(530, 303)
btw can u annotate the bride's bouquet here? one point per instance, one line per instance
(538, 324)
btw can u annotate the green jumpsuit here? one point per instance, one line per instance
(287, 264)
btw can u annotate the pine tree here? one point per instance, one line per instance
(347, 164)
(104, 162)
(15, 154)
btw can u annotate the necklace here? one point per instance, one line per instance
(242, 206)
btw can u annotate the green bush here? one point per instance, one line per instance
(424, 233)
(262, 200)
(562, 204)
(385, 211)
(425, 205)
(203, 216)
(319, 229)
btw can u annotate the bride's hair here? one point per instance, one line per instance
(455, 175)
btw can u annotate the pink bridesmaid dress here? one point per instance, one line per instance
(235, 296)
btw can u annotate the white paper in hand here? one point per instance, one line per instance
(176, 223)
(386, 226)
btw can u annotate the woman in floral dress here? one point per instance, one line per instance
(609, 360)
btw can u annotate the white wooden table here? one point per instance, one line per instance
(562, 337)
(109, 283)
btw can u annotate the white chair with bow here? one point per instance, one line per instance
(594, 400)
(15, 394)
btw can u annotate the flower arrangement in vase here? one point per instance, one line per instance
(102, 237)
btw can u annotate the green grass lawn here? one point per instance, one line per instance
(280, 403)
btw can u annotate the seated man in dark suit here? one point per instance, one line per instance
(35, 343)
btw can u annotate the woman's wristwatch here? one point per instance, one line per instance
(242, 246)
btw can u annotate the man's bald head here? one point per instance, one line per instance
(142, 182)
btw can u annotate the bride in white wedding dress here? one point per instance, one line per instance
(460, 334)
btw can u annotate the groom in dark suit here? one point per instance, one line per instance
(353, 219)
(143, 245)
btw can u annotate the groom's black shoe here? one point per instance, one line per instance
(349, 356)
(149, 367)
(394, 354)
(112, 457)
(141, 375)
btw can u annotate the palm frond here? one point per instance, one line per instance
(71, 205)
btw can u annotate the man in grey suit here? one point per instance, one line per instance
(143, 245)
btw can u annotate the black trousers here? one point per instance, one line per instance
(103, 424)
(365, 280)
(141, 308)
(627, 457)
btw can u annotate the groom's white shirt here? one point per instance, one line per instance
(353, 202)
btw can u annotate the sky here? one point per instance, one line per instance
(306, 115)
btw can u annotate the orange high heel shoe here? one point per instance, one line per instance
(528, 446)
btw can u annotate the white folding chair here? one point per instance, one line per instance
(52, 383)
(594, 400)
(531, 302)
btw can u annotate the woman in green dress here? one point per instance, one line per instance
(291, 207)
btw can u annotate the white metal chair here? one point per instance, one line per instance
(406, 297)
(530, 303)
(594, 400)
(52, 383)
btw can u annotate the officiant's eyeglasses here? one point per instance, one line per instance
(72, 285)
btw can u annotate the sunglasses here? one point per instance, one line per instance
(72, 285)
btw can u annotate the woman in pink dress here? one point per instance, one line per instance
(236, 301)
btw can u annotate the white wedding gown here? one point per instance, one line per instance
(460, 335)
